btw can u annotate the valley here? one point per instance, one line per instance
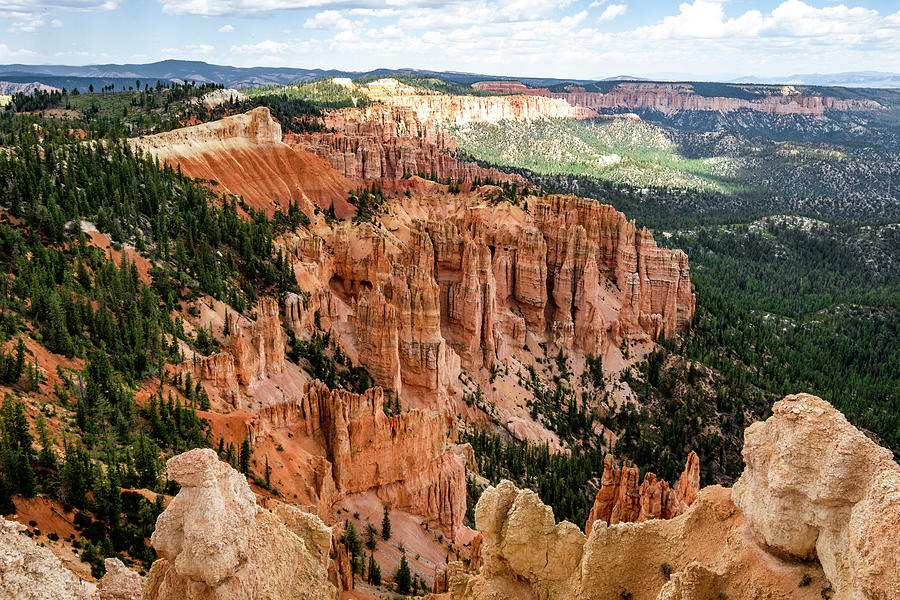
(326, 320)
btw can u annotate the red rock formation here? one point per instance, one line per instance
(257, 346)
(389, 143)
(406, 459)
(621, 500)
(244, 156)
(468, 280)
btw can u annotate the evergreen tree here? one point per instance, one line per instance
(374, 571)
(244, 460)
(386, 525)
(403, 577)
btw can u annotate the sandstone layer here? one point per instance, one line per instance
(214, 542)
(816, 487)
(245, 156)
(621, 500)
(463, 109)
(669, 98)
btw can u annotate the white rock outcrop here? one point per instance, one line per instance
(215, 543)
(816, 487)
(29, 571)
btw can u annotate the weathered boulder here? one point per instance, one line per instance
(215, 543)
(119, 582)
(29, 571)
(816, 487)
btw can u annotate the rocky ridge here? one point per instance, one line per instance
(244, 155)
(381, 142)
(463, 109)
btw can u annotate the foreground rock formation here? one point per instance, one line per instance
(214, 542)
(621, 500)
(29, 571)
(816, 487)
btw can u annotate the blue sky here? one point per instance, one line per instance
(564, 38)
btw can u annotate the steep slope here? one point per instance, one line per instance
(244, 155)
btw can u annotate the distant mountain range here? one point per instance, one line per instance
(186, 70)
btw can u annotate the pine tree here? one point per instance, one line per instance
(244, 460)
(403, 577)
(374, 571)
(386, 525)
(370, 536)
(351, 539)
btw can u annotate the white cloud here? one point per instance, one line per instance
(264, 47)
(75, 5)
(9, 55)
(226, 29)
(328, 19)
(56, 23)
(25, 22)
(612, 11)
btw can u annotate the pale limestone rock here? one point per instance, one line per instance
(29, 571)
(215, 543)
(815, 486)
(119, 582)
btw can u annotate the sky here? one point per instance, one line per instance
(585, 39)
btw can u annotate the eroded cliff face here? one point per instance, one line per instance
(462, 110)
(386, 143)
(245, 156)
(621, 500)
(459, 281)
(670, 98)
(814, 486)
(214, 542)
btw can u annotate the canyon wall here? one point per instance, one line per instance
(407, 459)
(389, 143)
(669, 98)
(621, 500)
(814, 487)
(465, 282)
